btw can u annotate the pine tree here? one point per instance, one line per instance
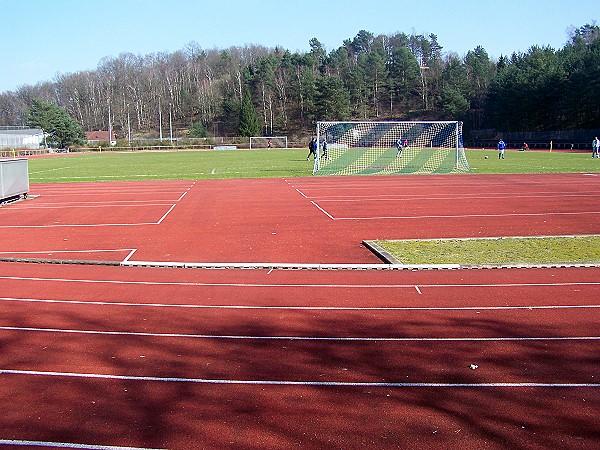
(249, 124)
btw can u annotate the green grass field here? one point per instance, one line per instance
(198, 165)
(548, 250)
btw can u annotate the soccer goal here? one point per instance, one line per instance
(390, 148)
(263, 142)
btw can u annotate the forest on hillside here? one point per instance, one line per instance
(372, 77)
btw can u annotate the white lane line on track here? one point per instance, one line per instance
(397, 197)
(115, 250)
(300, 308)
(54, 206)
(166, 214)
(302, 338)
(51, 444)
(323, 211)
(467, 216)
(297, 285)
(290, 383)
(79, 225)
(301, 193)
(132, 251)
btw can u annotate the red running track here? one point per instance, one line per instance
(304, 220)
(174, 358)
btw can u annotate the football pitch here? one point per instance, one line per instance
(201, 165)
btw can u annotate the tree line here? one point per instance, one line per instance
(253, 90)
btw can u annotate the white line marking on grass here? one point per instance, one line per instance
(51, 444)
(290, 383)
(299, 308)
(155, 177)
(303, 338)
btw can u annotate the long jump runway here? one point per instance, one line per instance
(99, 356)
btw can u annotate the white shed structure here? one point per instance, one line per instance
(27, 138)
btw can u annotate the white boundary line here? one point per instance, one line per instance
(133, 250)
(301, 308)
(300, 285)
(51, 444)
(397, 197)
(166, 214)
(290, 383)
(461, 216)
(70, 225)
(300, 338)
(56, 206)
(323, 211)
(87, 225)
(37, 252)
(165, 203)
(315, 202)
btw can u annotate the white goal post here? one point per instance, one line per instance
(390, 147)
(268, 142)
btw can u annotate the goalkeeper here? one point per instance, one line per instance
(399, 146)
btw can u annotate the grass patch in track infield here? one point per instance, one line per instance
(504, 250)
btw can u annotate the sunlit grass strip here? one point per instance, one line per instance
(505, 250)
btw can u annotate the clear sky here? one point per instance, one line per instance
(42, 38)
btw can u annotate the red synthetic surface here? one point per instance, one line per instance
(303, 358)
(275, 220)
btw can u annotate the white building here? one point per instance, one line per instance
(17, 138)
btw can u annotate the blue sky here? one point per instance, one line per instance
(42, 38)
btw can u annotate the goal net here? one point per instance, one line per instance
(268, 142)
(390, 148)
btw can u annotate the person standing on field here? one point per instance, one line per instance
(312, 149)
(325, 152)
(501, 147)
(399, 147)
(595, 148)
